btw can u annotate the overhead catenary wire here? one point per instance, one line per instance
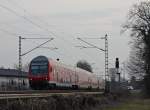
(14, 34)
(41, 21)
(35, 38)
(9, 33)
(25, 34)
(90, 44)
(22, 16)
(37, 25)
(27, 12)
(36, 47)
(55, 51)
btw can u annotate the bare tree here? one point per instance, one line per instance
(136, 64)
(25, 67)
(16, 66)
(84, 65)
(2, 67)
(138, 23)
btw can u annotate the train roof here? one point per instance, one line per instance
(58, 63)
(70, 67)
(40, 58)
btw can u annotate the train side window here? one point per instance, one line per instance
(24, 83)
(12, 82)
(61, 80)
(70, 79)
(57, 75)
(67, 81)
(89, 80)
(54, 72)
(77, 78)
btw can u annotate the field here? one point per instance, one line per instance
(136, 104)
(78, 102)
(57, 102)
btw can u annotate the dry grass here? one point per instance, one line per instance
(74, 102)
(136, 104)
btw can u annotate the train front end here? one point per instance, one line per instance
(39, 73)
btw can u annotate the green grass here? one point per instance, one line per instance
(143, 104)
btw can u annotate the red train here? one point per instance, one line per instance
(45, 73)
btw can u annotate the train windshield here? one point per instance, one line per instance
(39, 68)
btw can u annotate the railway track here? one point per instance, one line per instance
(44, 93)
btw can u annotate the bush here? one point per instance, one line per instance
(74, 102)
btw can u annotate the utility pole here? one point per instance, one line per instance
(20, 62)
(20, 54)
(106, 64)
(106, 57)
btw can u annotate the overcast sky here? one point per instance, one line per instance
(64, 20)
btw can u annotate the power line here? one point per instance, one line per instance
(36, 46)
(91, 38)
(106, 57)
(17, 14)
(32, 34)
(20, 53)
(21, 16)
(10, 33)
(30, 21)
(90, 44)
(54, 50)
(42, 21)
(16, 34)
(12, 11)
(35, 38)
(27, 12)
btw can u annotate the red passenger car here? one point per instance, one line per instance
(45, 73)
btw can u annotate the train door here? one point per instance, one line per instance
(70, 75)
(89, 83)
(55, 74)
(98, 83)
(76, 81)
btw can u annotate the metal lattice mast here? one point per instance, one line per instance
(20, 54)
(106, 57)
(20, 60)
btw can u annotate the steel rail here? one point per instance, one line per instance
(40, 95)
(46, 91)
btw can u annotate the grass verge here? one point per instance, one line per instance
(136, 104)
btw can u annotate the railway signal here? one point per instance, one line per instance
(117, 68)
(117, 63)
